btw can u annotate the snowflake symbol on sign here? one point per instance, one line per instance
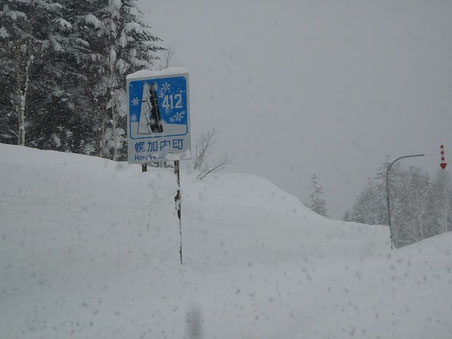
(135, 101)
(179, 116)
(166, 86)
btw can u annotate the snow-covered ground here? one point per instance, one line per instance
(89, 248)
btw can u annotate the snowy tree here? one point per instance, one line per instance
(364, 210)
(419, 207)
(370, 206)
(119, 43)
(63, 65)
(439, 204)
(56, 91)
(413, 198)
(449, 212)
(316, 201)
(25, 35)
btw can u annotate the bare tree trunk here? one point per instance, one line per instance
(21, 115)
(102, 136)
(22, 92)
(111, 90)
(114, 129)
(421, 226)
(100, 130)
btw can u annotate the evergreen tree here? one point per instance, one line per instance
(316, 201)
(63, 66)
(370, 207)
(25, 35)
(119, 43)
(55, 91)
(363, 210)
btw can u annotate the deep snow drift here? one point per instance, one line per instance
(89, 249)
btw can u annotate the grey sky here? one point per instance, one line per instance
(326, 87)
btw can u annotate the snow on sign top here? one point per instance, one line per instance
(158, 121)
(151, 74)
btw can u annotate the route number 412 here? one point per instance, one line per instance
(172, 101)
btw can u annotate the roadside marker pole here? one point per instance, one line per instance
(443, 163)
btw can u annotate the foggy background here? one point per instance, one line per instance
(327, 87)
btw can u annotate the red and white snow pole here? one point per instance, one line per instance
(443, 163)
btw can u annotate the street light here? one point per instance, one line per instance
(443, 164)
(391, 232)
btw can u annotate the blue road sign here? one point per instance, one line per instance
(158, 122)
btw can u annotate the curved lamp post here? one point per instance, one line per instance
(394, 241)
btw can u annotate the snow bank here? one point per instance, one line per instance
(89, 249)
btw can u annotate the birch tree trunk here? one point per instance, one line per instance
(114, 129)
(102, 136)
(22, 92)
(114, 115)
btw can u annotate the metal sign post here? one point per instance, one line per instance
(178, 201)
(158, 122)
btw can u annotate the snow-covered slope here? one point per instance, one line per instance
(89, 249)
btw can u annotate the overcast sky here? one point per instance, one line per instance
(326, 87)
